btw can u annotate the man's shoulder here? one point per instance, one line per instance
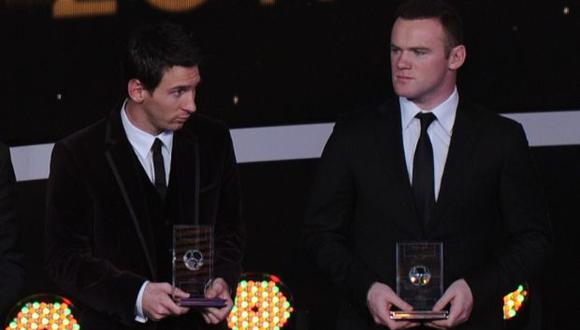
(489, 118)
(204, 126)
(88, 136)
(363, 118)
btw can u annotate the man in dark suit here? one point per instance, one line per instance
(11, 270)
(427, 167)
(117, 187)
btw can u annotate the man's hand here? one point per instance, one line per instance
(157, 302)
(218, 289)
(461, 299)
(380, 299)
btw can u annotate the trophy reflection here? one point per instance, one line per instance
(193, 264)
(420, 279)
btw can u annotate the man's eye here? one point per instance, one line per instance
(395, 50)
(419, 52)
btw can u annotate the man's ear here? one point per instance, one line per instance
(136, 90)
(457, 57)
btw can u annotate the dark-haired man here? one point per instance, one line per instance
(117, 187)
(430, 167)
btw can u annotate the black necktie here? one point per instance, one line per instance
(423, 177)
(159, 168)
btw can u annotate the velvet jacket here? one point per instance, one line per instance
(100, 243)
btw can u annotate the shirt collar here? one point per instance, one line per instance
(445, 112)
(141, 140)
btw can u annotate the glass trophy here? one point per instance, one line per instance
(193, 264)
(420, 280)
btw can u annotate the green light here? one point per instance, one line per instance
(67, 311)
(25, 310)
(264, 284)
(13, 325)
(276, 289)
(244, 284)
(36, 305)
(76, 327)
(286, 304)
(56, 305)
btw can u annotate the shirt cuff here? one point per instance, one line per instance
(139, 316)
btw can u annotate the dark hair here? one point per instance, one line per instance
(441, 10)
(152, 49)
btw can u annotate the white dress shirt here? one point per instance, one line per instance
(439, 132)
(142, 142)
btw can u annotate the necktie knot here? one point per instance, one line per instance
(157, 144)
(426, 118)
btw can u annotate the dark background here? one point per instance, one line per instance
(288, 63)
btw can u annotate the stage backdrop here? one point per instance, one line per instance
(279, 73)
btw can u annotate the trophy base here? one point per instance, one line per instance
(418, 315)
(202, 302)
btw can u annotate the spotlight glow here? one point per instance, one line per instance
(43, 312)
(513, 302)
(262, 303)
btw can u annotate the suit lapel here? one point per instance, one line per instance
(124, 165)
(458, 163)
(184, 176)
(388, 133)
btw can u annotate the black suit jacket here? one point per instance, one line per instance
(489, 214)
(100, 241)
(11, 270)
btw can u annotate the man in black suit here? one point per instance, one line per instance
(431, 167)
(117, 187)
(11, 270)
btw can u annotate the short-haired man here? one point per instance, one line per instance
(429, 166)
(117, 187)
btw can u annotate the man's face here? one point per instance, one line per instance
(171, 103)
(422, 71)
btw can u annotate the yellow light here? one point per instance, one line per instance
(30, 314)
(260, 304)
(513, 302)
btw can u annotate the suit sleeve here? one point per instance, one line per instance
(70, 256)
(525, 222)
(229, 230)
(11, 270)
(328, 221)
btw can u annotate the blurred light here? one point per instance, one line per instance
(513, 302)
(43, 312)
(566, 10)
(236, 100)
(262, 302)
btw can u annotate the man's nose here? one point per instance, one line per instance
(190, 105)
(402, 61)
